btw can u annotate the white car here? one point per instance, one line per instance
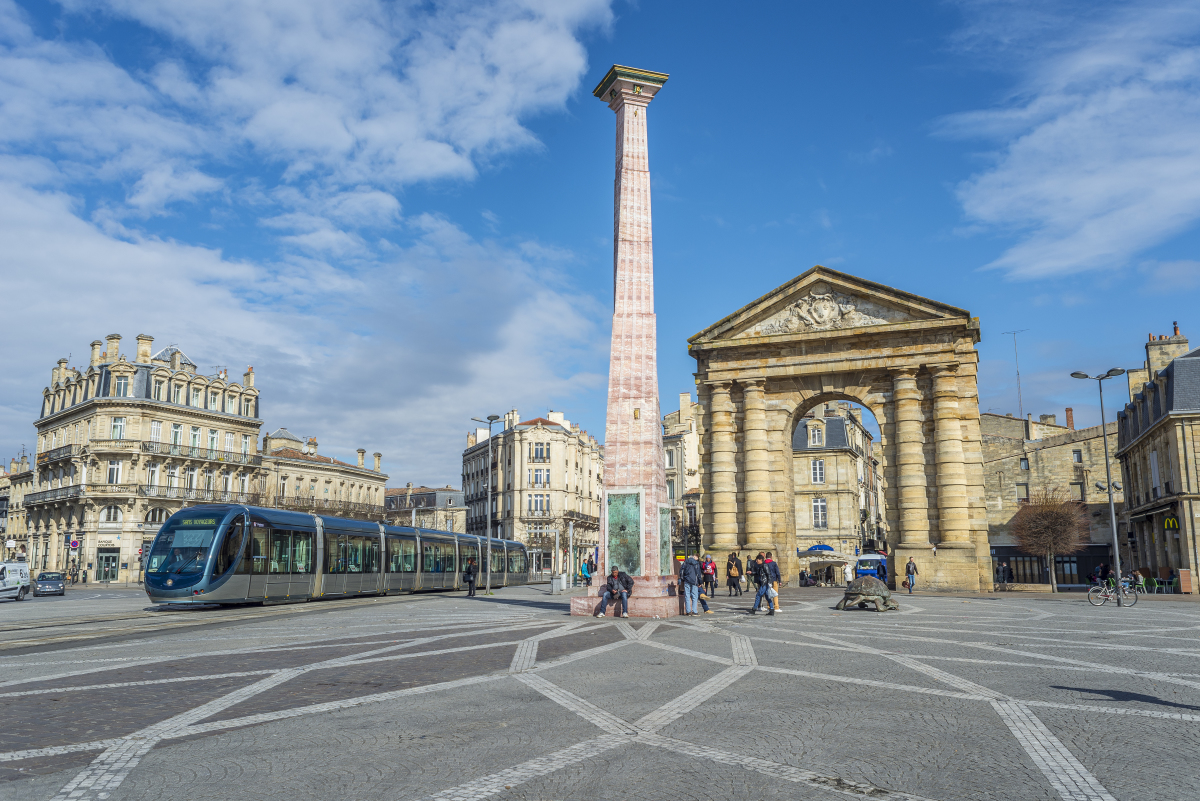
(14, 580)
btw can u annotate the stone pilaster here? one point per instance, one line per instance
(910, 460)
(724, 469)
(953, 522)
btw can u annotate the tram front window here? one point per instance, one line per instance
(181, 548)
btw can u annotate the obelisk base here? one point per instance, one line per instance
(652, 596)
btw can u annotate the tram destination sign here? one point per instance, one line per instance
(199, 521)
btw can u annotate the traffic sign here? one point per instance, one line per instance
(74, 544)
(139, 551)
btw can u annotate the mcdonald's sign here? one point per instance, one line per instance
(1170, 522)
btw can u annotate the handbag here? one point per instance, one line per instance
(905, 584)
(772, 592)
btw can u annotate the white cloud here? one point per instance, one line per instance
(290, 128)
(1100, 146)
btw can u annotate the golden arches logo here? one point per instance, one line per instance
(1170, 523)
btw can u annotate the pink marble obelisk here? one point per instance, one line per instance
(635, 527)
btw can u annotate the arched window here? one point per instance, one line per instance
(156, 515)
(110, 514)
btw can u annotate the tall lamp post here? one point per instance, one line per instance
(1112, 507)
(491, 418)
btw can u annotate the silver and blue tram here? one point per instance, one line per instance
(223, 554)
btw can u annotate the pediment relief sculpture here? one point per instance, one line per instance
(822, 309)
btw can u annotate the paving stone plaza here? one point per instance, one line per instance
(442, 697)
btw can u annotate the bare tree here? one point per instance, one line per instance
(1050, 525)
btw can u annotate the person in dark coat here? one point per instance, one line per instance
(762, 577)
(619, 585)
(733, 574)
(470, 573)
(776, 579)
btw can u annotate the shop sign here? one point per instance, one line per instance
(10, 544)
(106, 544)
(1170, 522)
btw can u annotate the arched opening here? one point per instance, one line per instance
(110, 514)
(838, 483)
(156, 515)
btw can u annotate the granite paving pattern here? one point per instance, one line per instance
(508, 697)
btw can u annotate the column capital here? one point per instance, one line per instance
(903, 372)
(720, 386)
(944, 370)
(756, 383)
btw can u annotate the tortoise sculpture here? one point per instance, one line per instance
(868, 589)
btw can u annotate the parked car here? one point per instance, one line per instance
(50, 584)
(14, 580)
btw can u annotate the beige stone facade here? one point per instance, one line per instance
(440, 508)
(1158, 435)
(296, 476)
(837, 485)
(547, 475)
(681, 449)
(827, 336)
(132, 438)
(1024, 457)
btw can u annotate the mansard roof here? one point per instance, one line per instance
(166, 353)
(283, 433)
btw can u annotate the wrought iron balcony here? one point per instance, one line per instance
(65, 452)
(76, 491)
(197, 452)
(536, 513)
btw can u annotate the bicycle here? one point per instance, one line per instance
(1099, 596)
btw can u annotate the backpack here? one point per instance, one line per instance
(732, 570)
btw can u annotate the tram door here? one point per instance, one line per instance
(335, 564)
(279, 563)
(431, 568)
(255, 561)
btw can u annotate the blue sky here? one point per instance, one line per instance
(400, 214)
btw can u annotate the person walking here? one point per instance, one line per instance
(733, 574)
(470, 573)
(910, 574)
(848, 573)
(585, 574)
(690, 576)
(775, 578)
(762, 577)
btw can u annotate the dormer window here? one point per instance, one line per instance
(122, 387)
(214, 400)
(816, 437)
(195, 396)
(158, 390)
(176, 393)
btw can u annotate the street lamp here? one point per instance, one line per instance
(1112, 508)
(491, 418)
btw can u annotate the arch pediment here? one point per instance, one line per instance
(821, 301)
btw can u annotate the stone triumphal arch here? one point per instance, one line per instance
(826, 335)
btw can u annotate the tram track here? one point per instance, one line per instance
(154, 624)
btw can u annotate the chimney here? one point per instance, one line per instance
(12, 465)
(470, 439)
(96, 345)
(24, 463)
(1070, 418)
(312, 445)
(176, 360)
(1160, 351)
(59, 373)
(685, 402)
(362, 457)
(248, 377)
(114, 347)
(1048, 419)
(143, 348)
(378, 461)
(1176, 325)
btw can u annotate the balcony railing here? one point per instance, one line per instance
(533, 513)
(198, 494)
(77, 490)
(538, 459)
(113, 444)
(196, 452)
(65, 452)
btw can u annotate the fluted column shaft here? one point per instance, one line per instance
(954, 521)
(724, 469)
(757, 463)
(910, 460)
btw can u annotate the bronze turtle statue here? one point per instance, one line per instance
(868, 589)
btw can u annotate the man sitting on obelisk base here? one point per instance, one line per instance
(619, 585)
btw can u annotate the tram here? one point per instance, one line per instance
(228, 554)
